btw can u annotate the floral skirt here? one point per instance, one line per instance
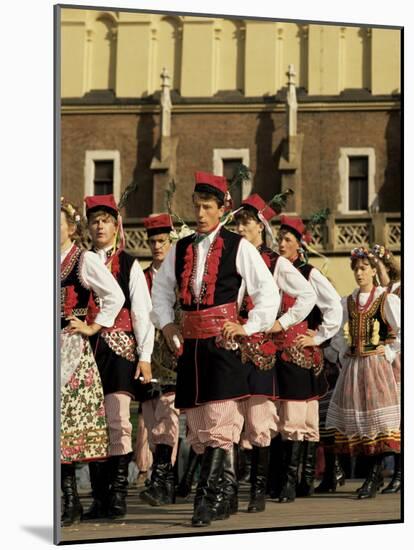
(365, 407)
(84, 431)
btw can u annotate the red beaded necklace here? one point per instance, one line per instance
(369, 301)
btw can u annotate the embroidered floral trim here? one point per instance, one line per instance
(80, 264)
(208, 284)
(122, 343)
(185, 293)
(69, 262)
(363, 330)
(211, 271)
(258, 349)
(308, 358)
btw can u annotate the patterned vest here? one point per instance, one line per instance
(221, 282)
(74, 296)
(367, 329)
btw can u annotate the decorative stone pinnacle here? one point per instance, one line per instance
(291, 75)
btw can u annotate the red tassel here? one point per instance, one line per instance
(185, 293)
(210, 276)
(71, 299)
(93, 310)
(268, 348)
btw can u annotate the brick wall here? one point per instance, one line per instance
(136, 136)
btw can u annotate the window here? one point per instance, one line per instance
(225, 162)
(103, 173)
(358, 183)
(229, 167)
(357, 180)
(103, 182)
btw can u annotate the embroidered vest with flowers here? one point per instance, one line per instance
(259, 348)
(120, 337)
(367, 328)
(221, 282)
(74, 295)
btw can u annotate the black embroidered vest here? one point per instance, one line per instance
(227, 282)
(314, 318)
(368, 329)
(74, 296)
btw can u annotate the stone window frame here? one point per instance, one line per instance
(222, 154)
(102, 154)
(343, 168)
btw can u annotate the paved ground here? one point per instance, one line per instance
(145, 521)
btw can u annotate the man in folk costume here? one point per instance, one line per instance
(160, 416)
(301, 379)
(259, 351)
(123, 353)
(208, 268)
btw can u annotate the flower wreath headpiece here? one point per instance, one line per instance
(73, 213)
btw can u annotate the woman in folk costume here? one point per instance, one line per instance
(258, 352)
(84, 432)
(300, 365)
(389, 275)
(208, 268)
(122, 353)
(365, 408)
(157, 400)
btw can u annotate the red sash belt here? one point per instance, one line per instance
(286, 338)
(206, 323)
(122, 322)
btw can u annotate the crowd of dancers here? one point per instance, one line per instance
(237, 331)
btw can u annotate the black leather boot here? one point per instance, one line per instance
(305, 487)
(161, 489)
(394, 485)
(260, 468)
(245, 464)
(370, 487)
(118, 485)
(99, 475)
(333, 474)
(212, 466)
(72, 508)
(185, 485)
(290, 464)
(227, 502)
(275, 468)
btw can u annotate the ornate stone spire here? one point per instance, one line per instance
(292, 104)
(166, 104)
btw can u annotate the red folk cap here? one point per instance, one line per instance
(295, 225)
(158, 223)
(209, 183)
(256, 202)
(101, 202)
